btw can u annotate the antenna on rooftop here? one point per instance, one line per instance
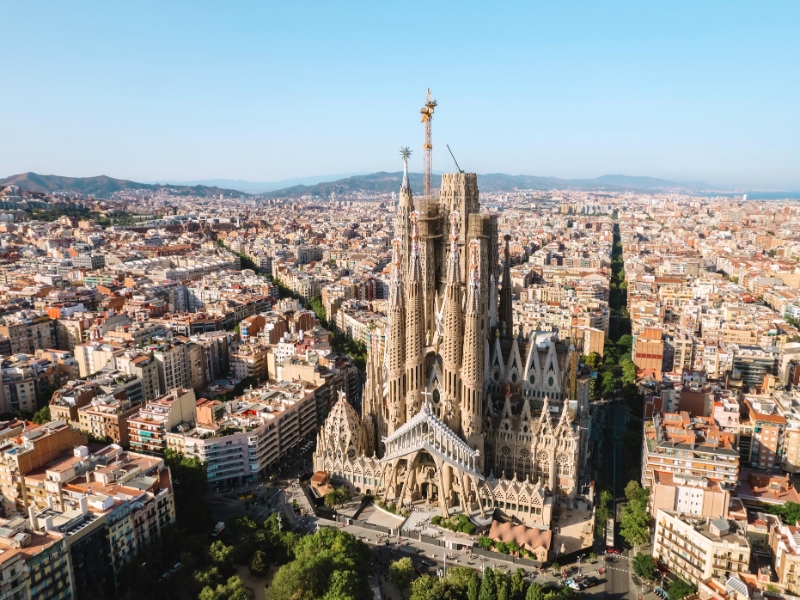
(460, 170)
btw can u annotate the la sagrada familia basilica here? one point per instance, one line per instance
(459, 408)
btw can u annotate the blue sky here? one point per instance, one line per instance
(265, 91)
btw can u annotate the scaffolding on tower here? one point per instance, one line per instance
(427, 117)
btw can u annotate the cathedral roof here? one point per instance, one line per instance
(415, 435)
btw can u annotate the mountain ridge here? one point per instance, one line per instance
(384, 182)
(381, 182)
(101, 186)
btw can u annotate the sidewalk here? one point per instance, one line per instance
(462, 558)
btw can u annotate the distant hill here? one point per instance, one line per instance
(383, 183)
(259, 187)
(102, 186)
(376, 183)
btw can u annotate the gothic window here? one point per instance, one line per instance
(496, 376)
(436, 396)
(513, 378)
(506, 450)
(532, 379)
(550, 381)
(563, 464)
(351, 453)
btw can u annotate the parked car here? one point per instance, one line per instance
(591, 581)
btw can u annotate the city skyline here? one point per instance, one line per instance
(269, 94)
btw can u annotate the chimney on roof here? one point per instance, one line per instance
(32, 516)
(83, 503)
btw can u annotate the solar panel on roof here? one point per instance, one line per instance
(722, 525)
(738, 586)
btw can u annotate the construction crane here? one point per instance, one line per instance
(427, 116)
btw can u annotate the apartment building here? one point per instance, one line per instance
(104, 508)
(689, 463)
(141, 365)
(701, 549)
(107, 417)
(147, 428)
(172, 361)
(761, 434)
(29, 451)
(785, 546)
(28, 331)
(647, 352)
(27, 383)
(255, 431)
(67, 399)
(33, 565)
(250, 360)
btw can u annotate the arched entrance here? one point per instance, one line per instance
(429, 490)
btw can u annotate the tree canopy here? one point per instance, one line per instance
(789, 512)
(644, 565)
(401, 572)
(635, 522)
(679, 589)
(329, 564)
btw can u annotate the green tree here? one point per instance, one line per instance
(602, 513)
(331, 499)
(634, 492)
(259, 565)
(789, 512)
(593, 360)
(344, 585)
(503, 591)
(233, 589)
(628, 371)
(679, 589)
(319, 309)
(644, 566)
(609, 383)
(422, 587)
(485, 542)
(518, 585)
(625, 341)
(556, 567)
(488, 586)
(42, 416)
(534, 592)
(635, 521)
(512, 547)
(457, 582)
(401, 573)
(474, 587)
(317, 559)
(221, 555)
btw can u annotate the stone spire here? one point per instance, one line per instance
(506, 309)
(415, 325)
(473, 362)
(405, 206)
(371, 404)
(396, 349)
(453, 319)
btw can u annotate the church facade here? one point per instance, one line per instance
(459, 409)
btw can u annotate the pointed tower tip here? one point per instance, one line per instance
(405, 152)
